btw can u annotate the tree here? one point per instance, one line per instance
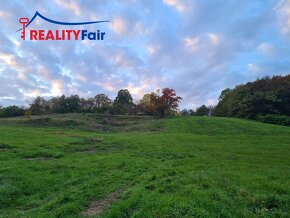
(58, 104)
(165, 102)
(168, 102)
(123, 102)
(146, 105)
(39, 106)
(191, 112)
(87, 105)
(123, 97)
(102, 102)
(72, 104)
(224, 93)
(184, 112)
(202, 111)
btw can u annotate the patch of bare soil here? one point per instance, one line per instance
(97, 207)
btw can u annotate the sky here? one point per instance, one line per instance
(197, 47)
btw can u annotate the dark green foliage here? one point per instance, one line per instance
(184, 112)
(203, 111)
(275, 119)
(102, 103)
(39, 106)
(191, 112)
(73, 104)
(260, 98)
(66, 104)
(58, 105)
(123, 103)
(12, 111)
(124, 97)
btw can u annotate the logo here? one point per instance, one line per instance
(64, 34)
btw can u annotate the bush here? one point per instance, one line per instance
(275, 119)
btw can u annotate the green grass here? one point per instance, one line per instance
(177, 167)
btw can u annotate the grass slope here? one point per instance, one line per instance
(178, 167)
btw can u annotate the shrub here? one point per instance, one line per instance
(275, 119)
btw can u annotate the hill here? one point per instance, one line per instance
(121, 166)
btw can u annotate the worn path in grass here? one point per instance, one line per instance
(178, 167)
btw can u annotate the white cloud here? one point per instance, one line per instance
(4, 13)
(137, 90)
(33, 93)
(118, 25)
(191, 43)
(56, 88)
(266, 48)
(177, 4)
(7, 59)
(72, 5)
(151, 49)
(214, 38)
(255, 68)
(212, 102)
(283, 10)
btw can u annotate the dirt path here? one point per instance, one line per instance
(97, 207)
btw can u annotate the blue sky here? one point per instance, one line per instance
(197, 47)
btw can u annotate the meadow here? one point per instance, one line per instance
(79, 165)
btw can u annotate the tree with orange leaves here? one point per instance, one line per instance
(161, 102)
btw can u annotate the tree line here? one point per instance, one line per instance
(203, 110)
(158, 103)
(266, 100)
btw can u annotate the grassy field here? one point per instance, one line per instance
(61, 165)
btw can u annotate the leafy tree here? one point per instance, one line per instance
(146, 105)
(168, 101)
(87, 105)
(187, 112)
(165, 102)
(123, 102)
(191, 112)
(123, 97)
(202, 111)
(103, 102)
(39, 106)
(58, 104)
(184, 112)
(72, 104)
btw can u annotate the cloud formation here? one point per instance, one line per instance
(196, 47)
